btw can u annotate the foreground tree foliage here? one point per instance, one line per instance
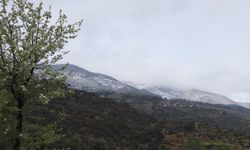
(29, 44)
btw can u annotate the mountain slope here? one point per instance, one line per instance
(93, 122)
(192, 95)
(82, 79)
(230, 120)
(231, 117)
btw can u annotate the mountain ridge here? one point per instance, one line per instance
(192, 95)
(82, 79)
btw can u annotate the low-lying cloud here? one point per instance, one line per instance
(177, 43)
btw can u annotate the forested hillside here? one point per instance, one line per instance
(92, 122)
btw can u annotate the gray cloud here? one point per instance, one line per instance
(177, 43)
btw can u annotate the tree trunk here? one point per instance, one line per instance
(19, 126)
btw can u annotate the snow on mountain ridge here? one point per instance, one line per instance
(192, 95)
(207, 97)
(136, 85)
(82, 79)
(170, 94)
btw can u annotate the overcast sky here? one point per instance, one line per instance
(202, 44)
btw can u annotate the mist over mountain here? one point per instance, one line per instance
(192, 44)
(82, 79)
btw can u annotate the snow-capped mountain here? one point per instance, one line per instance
(82, 79)
(192, 95)
(206, 97)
